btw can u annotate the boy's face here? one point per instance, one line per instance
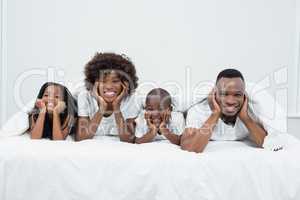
(52, 95)
(110, 86)
(155, 109)
(230, 95)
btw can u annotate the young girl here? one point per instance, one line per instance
(54, 113)
(108, 101)
(158, 121)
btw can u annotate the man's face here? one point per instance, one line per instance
(230, 95)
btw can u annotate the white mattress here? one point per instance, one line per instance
(105, 168)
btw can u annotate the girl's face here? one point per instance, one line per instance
(110, 86)
(52, 95)
(155, 110)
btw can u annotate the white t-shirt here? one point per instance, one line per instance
(88, 106)
(176, 125)
(199, 113)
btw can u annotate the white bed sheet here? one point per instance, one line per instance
(104, 168)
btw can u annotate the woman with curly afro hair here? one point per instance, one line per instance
(108, 103)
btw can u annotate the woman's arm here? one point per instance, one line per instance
(87, 128)
(123, 129)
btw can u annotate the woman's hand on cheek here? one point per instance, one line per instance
(117, 102)
(102, 105)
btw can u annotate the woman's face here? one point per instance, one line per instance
(110, 86)
(52, 95)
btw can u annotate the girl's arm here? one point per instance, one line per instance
(60, 132)
(37, 128)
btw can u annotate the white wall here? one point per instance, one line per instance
(172, 42)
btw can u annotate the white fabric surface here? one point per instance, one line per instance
(107, 169)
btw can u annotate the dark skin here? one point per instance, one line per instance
(53, 104)
(227, 102)
(109, 92)
(157, 117)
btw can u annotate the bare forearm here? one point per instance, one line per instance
(148, 137)
(257, 132)
(197, 140)
(173, 138)
(87, 128)
(123, 131)
(57, 133)
(37, 130)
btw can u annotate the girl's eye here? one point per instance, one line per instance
(116, 81)
(57, 97)
(45, 95)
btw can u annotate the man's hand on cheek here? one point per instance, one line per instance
(243, 114)
(213, 104)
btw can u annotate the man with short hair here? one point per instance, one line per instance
(224, 115)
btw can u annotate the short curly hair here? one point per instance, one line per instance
(103, 63)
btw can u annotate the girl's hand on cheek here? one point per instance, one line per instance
(40, 104)
(60, 106)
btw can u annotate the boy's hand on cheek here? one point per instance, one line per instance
(117, 102)
(243, 114)
(150, 125)
(165, 120)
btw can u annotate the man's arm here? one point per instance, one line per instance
(195, 140)
(256, 130)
